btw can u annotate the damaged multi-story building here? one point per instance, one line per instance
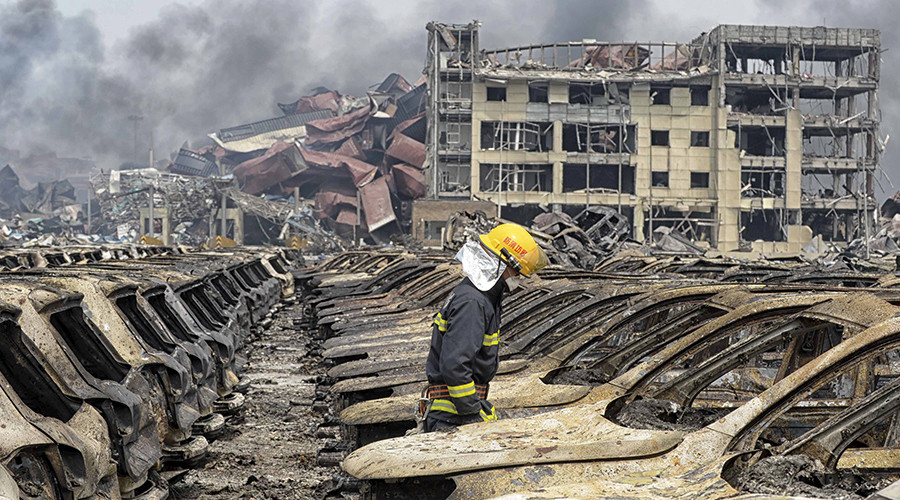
(746, 138)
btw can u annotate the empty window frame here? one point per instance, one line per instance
(699, 96)
(456, 91)
(659, 137)
(659, 179)
(699, 179)
(516, 177)
(538, 91)
(516, 136)
(837, 146)
(760, 141)
(829, 186)
(434, 229)
(660, 95)
(496, 93)
(762, 183)
(695, 225)
(763, 225)
(455, 177)
(578, 176)
(700, 139)
(619, 93)
(592, 94)
(579, 138)
(831, 224)
(769, 61)
(756, 101)
(451, 133)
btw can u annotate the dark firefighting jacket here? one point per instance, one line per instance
(464, 349)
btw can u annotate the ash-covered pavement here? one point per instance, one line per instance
(269, 450)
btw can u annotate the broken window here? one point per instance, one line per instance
(455, 177)
(88, 344)
(538, 91)
(26, 375)
(619, 93)
(831, 185)
(764, 225)
(451, 133)
(762, 183)
(516, 177)
(496, 93)
(699, 96)
(576, 177)
(759, 60)
(659, 179)
(578, 138)
(659, 137)
(660, 95)
(755, 101)
(456, 91)
(693, 224)
(760, 141)
(593, 94)
(699, 179)
(831, 224)
(516, 136)
(700, 139)
(455, 136)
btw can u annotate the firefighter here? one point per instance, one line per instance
(464, 340)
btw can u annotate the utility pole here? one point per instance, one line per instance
(135, 118)
(224, 199)
(152, 194)
(89, 193)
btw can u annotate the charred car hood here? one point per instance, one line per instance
(574, 434)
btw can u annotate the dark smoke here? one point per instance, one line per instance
(196, 69)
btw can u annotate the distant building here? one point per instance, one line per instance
(747, 137)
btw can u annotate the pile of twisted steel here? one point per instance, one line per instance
(118, 364)
(650, 377)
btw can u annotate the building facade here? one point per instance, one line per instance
(746, 138)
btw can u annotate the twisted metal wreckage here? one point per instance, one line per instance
(652, 376)
(119, 363)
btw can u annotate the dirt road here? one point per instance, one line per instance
(269, 451)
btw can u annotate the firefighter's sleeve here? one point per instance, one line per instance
(465, 331)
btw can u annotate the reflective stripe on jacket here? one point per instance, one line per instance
(464, 347)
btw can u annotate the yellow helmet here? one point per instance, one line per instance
(515, 246)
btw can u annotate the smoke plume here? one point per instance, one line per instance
(195, 69)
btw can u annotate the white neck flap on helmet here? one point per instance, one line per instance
(481, 266)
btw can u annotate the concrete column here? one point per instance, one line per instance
(557, 177)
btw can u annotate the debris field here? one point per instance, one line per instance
(153, 372)
(653, 376)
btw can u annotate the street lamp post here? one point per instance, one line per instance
(135, 118)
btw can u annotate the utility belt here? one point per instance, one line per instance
(441, 392)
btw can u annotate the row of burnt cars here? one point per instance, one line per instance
(651, 377)
(118, 365)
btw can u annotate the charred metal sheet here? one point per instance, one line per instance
(259, 174)
(409, 179)
(359, 171)
(337, 128)
(262, 134)
(407, 150)
(376, 202)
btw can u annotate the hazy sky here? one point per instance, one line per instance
(194, 66)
